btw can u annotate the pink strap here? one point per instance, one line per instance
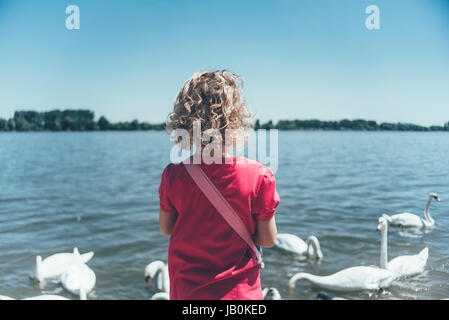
(222, 205)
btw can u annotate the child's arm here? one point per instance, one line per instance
(167, 221)
(266, 233)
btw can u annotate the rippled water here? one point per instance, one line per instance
(98, 191)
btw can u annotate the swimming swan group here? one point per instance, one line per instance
(349, 279)
(373, 277)
(70, 269)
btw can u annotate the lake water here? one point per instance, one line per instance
(98, 191)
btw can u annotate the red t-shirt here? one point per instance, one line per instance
(207, 260)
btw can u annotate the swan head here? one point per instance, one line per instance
(296, 277)
(383, 223)
(434, 196)
(314, 248)
(151, 271)
(387, 217)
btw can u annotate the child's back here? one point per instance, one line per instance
(207, 259)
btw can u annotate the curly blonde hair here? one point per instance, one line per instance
(213, 98)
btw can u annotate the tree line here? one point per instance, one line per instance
(345, 124)
(84, 120)
(69, 120)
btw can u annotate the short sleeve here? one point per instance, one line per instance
(164, 192)
(267, 198)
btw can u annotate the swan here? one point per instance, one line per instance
(78, 279)
(409, 220)
(159, 270)
(271, 294)
(292, 243)
(55, 265)
(350, 279)
(47, 297)
(402, 266)
(42, 297)
(160, 296)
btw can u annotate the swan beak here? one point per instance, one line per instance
(148, 282)
(437, 199)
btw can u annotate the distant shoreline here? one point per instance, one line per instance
(345, 125)
(153, 130)
(84, 120)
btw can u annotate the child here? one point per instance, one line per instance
(207, 259)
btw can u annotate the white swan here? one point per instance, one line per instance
(402, 266)
(159, 270)
(271, 294)
(160, 296)
(47, 297)
(292, 243)
(55, 265)
(350, 279)
(78, 279)
(409, 220)
(41, 297)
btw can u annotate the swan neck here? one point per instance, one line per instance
(162, 278)
(313, 246)
(39, 269)
(427, 211)
(384, 248)
(166, 281)
(306, 276)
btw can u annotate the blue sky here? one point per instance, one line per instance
(300, 59)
